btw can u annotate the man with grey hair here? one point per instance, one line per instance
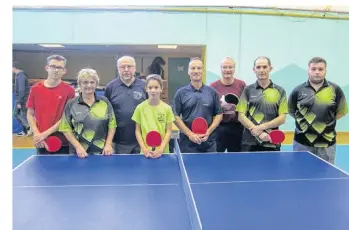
(229, 131)
(125, 93)
(21, 92)
(46, 104)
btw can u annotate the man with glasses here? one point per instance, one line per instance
(229, 131)
(262, 107)
(125, 93)
(46, 104)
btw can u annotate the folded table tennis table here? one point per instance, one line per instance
(210, 191)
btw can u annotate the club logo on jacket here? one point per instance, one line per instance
(137, 95)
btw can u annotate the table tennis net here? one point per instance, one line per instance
(193, 212)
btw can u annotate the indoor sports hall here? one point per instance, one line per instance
(287, 189)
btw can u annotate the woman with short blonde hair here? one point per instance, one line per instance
(88, 121)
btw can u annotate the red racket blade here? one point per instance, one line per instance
(277, 136)
(153, 139)
(231, 99)
(53, 144)
(199, 126)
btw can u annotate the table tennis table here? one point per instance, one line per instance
(210, 191)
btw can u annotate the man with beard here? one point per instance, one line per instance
(46, 103)
(316, 105)
(193, 101)
(125, 93)
(262, 107)
(229, 131)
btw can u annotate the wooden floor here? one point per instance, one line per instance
(27, 142)
(22, 142)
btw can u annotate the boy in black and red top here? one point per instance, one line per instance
(46, 104)
(229, 131)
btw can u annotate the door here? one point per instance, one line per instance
(177, 75)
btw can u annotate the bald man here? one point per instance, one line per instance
(125, 93)
(229, 131)
(262, 107)
(192, 101)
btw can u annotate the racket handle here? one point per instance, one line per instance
(153, 149)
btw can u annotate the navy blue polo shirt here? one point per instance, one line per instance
(124, 100)
(190, 103)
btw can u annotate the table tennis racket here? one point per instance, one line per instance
(53, 144)
(276, 136)
(231, 98)
(199, 126)
(153, 139)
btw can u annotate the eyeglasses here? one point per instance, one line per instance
(88, 82)
(126, 66)
(228, 67)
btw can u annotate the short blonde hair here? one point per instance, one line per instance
(86, 73)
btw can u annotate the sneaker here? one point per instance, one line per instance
(21, 134)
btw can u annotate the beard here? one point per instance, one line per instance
(316, 81)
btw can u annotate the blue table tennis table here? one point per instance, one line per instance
(211, 191)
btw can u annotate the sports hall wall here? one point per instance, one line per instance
(289, 42)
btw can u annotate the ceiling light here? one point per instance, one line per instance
(167, 46)
(51, 45)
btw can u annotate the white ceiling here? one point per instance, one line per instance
(115, 49)
(327, 8)
(318, 7)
